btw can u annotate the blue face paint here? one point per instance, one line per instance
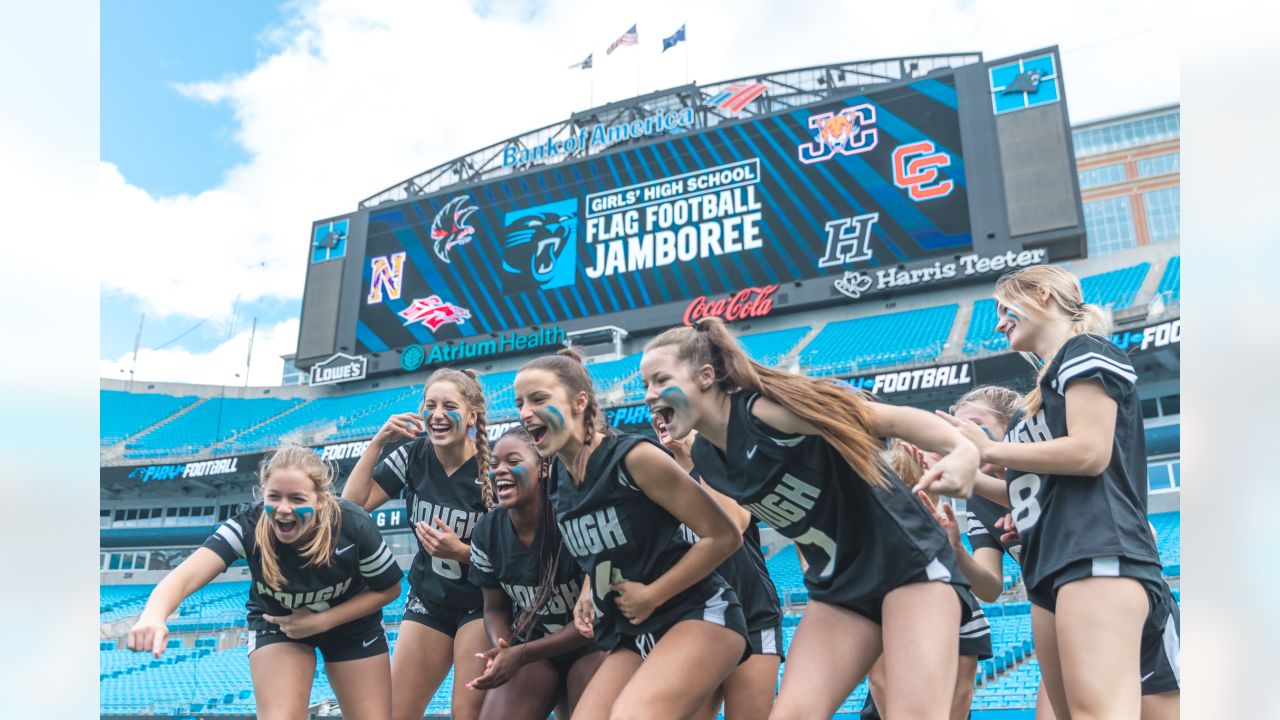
(493, 475)
(303, 512)
(521, 475)
(551, 416)
(675, 397)
(271, 510)
(988, 432)
(454, 417)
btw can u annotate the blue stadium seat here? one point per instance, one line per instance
(851, 346)
(123, 414)
(1115, 290)
(1170, 287)
(211, 422)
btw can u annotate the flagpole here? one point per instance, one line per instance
(685, 40)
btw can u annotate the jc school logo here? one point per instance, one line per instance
(848, 132)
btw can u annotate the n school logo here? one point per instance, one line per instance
(386, 275)
(540, 251)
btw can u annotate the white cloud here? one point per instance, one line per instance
(351, 97)
(223, 365)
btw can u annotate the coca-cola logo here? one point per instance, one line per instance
(749, 303)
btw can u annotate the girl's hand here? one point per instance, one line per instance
(1010, 536)
(584, 612)
(972, 432)
(401, 426)
(634, 600)
(946, 517)
(501, 664)
(953, 474)
(442, 542)
(302, 623)
(148, 635)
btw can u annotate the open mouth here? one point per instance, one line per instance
(440, 428)
(544, 256)
(504, 486)
(536, 432)
(286, 527)
(662, 416)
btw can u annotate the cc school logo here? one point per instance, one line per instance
(848, 132)
(915, 169)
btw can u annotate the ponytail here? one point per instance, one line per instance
(318, 547)
(842, 418)
(1021, 288)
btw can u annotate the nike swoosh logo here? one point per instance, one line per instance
(752, 452)
(370, 641)
(1144, 677)
(339, 552)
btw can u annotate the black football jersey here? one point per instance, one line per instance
(982, 530)
(414, 472)
(860, 542)
(500, 560)
(360, 559)
(745, 570)
(1064, 518)
(616, 533)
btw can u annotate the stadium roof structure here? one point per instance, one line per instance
(783, 90)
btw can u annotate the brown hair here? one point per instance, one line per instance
(468, 383)
(318, 549)
(567, 365)
(843, 418)
(1021, 288)
(906, 465)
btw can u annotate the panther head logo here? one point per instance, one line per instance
(541, 245)
(450, 227)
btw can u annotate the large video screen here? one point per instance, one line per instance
(865, 181)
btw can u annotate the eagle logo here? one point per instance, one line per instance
(451, 227)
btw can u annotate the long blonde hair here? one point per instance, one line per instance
(318, 548)
(468, 383)
(842, 418)
(1021, 288)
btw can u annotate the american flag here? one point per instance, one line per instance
(584, 65)
(629, 37)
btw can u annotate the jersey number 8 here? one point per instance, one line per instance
(1022, 495)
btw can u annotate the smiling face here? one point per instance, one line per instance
(448, 415)
(550, 415)
(290, 498)
(672, 392)
(1018, 325)
(516, 473)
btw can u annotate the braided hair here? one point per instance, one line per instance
(549, 545)
(468, 383)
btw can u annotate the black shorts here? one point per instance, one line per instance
(563, 663)
(873, 609)
(1160, 659)
(1161, 654)
(361, 638)
(766, 641)
(444, 618)
(721, 609)
(975, 631)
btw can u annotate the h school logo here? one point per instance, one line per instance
(387, 274)
(847, 132)
(848, 240)
(915, 169)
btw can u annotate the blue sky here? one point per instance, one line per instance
(168, 144)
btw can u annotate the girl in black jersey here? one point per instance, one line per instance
(320, 576)
(539, 660)
(439, 475)
(748, 692)
(1076, 484)
(619, 501)
(804, 455)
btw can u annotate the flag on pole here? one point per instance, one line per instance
(584, 65)
(670, 42)
(629, 37)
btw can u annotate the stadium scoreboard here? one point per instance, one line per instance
(959, 174)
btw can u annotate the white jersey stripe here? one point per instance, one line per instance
(230, 537)
(383, 556)
(380, 569)
(713, 610)
(1066, 375)
(937, 571)
(1173, 648)
(1082, 358)
(382, 547)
